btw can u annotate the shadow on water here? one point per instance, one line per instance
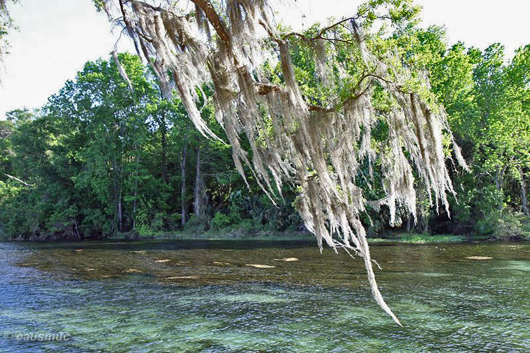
(169, 244)
(218, 296)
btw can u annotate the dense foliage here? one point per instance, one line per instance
(487, 98)
(98, 160)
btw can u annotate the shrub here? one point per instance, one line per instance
(197, 224)
(220, 221)
(499, 225)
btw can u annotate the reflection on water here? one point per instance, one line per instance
(190, 296)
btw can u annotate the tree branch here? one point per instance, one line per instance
(17, 179)
(216, 21)
(321, 33)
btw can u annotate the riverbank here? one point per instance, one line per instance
(237, 236)
(403, 238)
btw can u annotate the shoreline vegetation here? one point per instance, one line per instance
(392, 237)
(264, 236)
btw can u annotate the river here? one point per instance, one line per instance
(219, 296)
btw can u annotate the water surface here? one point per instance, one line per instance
(243, 296)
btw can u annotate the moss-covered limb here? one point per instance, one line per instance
(313, 122)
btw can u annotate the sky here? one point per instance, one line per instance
(57, 37)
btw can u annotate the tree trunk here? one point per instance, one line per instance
(183, 187)
(135, 195)
(163, 130)
(499, 183)
(117, 195)
(524, 195)
(498, 180)
(199, 187)
(76, 229)
(120, 212)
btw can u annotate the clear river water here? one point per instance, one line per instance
(228, 296)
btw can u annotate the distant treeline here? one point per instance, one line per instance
(99, 160)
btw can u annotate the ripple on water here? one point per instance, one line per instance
(515, 265)
(445, 306)
(435, 274)
(352, 315)
(251, 298)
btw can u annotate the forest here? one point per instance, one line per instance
(101, 160)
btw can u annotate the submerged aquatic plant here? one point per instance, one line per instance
(315, 125)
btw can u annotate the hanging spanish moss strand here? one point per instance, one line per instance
(319, 149)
